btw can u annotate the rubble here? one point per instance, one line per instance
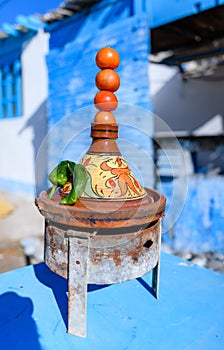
(33, 249)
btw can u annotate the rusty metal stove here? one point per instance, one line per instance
(112, 234)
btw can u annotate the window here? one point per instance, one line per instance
(11, 90)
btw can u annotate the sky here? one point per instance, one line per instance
(9, 9)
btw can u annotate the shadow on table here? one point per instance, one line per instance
(146, 286)
(59, 287)
(18, 329)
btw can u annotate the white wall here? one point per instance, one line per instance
(187, 105)
(159, 75)
(20, 137)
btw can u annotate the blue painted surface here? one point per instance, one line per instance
(163, 11)
(188, 315)
(11, 90)
(17, 72)
(10, 9)
(71, 61)
(1, 93)
(7, 84)
(199, 228)
(14, 186)
(12, 47)
(8, 29)
(104, 13)
(30, 22)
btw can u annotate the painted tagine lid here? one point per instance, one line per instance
(109, 174)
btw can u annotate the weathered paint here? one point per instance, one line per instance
(112, 258)
(199, 228)
(77, 286)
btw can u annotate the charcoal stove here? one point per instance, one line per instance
(112, 233)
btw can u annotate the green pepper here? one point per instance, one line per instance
(53, 189)
(80, 178)
(71, 167)
(60, 175)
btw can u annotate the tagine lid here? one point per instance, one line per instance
(110, 177)
(113, 196)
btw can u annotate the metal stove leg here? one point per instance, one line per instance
(77, 283)
(156, 270)
(155, 279)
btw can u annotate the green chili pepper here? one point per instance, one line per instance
(80, 178)
(53, 189)
(71, 167)
(60, 175)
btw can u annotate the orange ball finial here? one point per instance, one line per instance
(107, 58)
(108, 79)
(105, 101)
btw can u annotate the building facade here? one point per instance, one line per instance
(48, 85)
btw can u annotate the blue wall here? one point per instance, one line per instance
(73, 46)
(164, 11)
(199, 228)
(12, 47)
(72, 71)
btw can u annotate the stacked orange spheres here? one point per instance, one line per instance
(107, 81)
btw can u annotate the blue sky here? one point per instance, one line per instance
(9, 9)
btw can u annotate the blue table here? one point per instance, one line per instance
(188, 315)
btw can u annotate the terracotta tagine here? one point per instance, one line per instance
(112, 232)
